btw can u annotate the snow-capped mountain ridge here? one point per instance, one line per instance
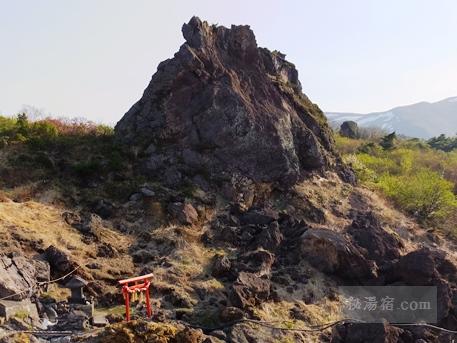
(423, 119)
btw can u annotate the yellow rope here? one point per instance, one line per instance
(41, 284)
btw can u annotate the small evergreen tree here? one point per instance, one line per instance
(442, 142)
(388, 142)
(22, 125)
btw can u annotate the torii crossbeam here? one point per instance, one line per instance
(136, 285)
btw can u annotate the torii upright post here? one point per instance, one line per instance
(136, 285)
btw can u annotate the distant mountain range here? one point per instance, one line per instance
(422, 120)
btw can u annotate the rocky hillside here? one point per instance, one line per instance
(226, 185)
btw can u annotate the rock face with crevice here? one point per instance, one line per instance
(223, 104)
(19, 276)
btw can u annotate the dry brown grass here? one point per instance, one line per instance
(35, 221)
(337, 199)
(189, 264)
(3, 197)
(24, 225)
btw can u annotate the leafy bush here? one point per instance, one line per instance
(42, 133)
(420, 180)
(425, 194)
(347, 145)
(7, 130)
(49, 131)
(364, 174)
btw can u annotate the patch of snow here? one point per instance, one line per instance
(344, 118)
(381, 117)
(452, 99)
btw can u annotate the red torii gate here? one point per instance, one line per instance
(136, 285)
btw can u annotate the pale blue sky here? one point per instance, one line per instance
(94, 58)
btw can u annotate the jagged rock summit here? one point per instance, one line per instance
(225, 105)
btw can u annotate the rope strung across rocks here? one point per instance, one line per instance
(312, 328)
(428, 326)
(30, 289)
(60, 278)
(18, 293)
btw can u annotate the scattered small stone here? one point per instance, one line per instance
(147, 191)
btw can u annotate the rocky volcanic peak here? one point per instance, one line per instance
(226, 105)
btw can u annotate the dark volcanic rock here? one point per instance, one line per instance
(60, 261)
(368, 233)
(256, 217)
(269, 238)
(258, 262)
(89, 224)
(349, 129)
(18, 277)
(42, 270)
(426, 267)
(104, 208)
(221, 266)
(333, 253)
(249, 290)
(106, 250)
(223, 104)
(361, 333)
(183, 212)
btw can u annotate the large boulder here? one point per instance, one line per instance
(427, 267)
(368, 233)
(184, 213)
(223, 105)
(373, 332)
(258, 262)
(249, 290)
(424, 267)
(349, 129)
(269, 237)
(334, 253)
(59, 261)
(221, 266)
(19, 276)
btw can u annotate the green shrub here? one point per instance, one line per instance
(42, 134)
(370, 148)
(22, 124)
(104, 130)
(419, 179)
(425, 194)
(379, 165)
(364, 174)
(7, 126)
(347, 145)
